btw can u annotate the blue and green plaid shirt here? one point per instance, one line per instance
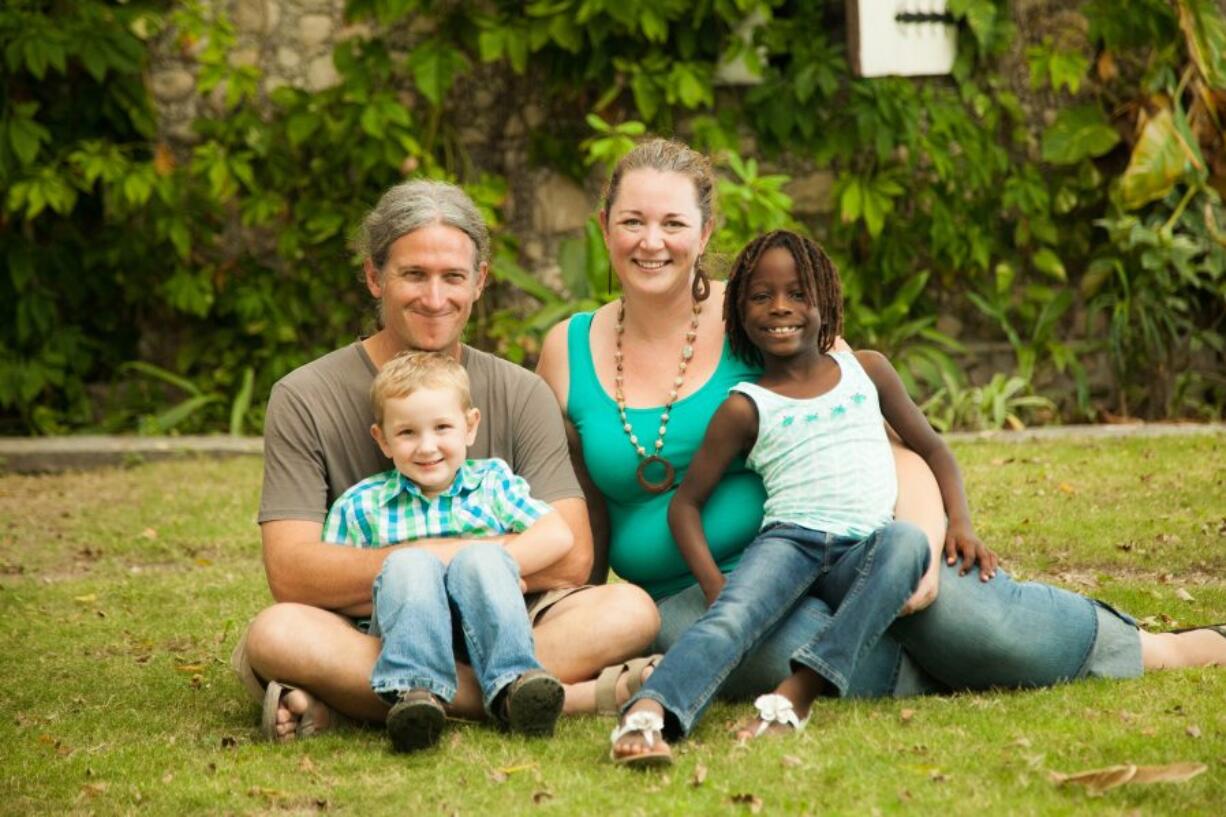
(485, 499)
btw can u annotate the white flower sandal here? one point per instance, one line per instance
(651, 727)
(775, 708)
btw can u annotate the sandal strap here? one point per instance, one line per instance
(606, 689)
(775, 708)
(606, 682)
(645, 723)
(635, 666)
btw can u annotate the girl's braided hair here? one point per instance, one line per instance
(819, 280)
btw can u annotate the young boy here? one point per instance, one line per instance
(424, 603)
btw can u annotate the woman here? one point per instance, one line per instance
(639, 379)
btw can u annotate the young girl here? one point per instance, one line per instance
(812, 428)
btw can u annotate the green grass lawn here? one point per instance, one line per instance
(123, 591)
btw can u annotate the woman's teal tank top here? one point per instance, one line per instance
(641, 547)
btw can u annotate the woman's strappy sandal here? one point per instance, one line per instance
(651, 727)
(775, 708)
(606, 682)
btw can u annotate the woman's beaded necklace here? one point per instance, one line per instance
(656, 456)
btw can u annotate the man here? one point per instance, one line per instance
(426, 254)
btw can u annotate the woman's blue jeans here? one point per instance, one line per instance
(867, 581)
(416, 600)
(976, 635)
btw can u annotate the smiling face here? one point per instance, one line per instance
(427, 435)
(777, 317)
(654, 230)
(427, 288)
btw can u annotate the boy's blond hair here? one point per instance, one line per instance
(410, 371)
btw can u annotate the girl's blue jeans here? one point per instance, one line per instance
(416, 600)
(867, 581)
(976, 635)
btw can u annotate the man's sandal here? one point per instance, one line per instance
(318, 717)
(532, 704)
(651, 727)
(775, 708)
(606, 682)
(1220, 629)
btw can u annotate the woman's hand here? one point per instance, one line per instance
(960, 540)
(712, 588)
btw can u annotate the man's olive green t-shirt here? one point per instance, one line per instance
(317, 440)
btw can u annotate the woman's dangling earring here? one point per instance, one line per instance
(701, 287)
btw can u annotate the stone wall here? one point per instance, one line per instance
(289, 41)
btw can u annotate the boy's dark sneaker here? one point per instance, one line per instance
(532, 703)
(415, 721)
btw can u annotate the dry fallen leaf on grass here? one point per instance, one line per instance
(700, 775)
(267, 794)
(791, 761)
(1183, 595)
(753, 801)
(1170, 773)
(1193, 730)
(1097, 781)
(906, 715)
(94, 789)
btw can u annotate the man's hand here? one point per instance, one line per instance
(712, 588)
(925, 592)
(960, 540)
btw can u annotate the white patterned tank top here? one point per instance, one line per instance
(825, 460)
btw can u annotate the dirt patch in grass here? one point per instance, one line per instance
(162, 517)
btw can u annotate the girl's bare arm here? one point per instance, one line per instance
(731, 431)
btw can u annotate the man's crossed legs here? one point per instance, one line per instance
(329, 662)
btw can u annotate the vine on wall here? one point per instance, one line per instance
(167, 288)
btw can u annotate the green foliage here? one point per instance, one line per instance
(1082, 132)
(612, 142)
(1050, 65)
(1160, 288)
(226, 262)
(750, 203)
(1001, 402)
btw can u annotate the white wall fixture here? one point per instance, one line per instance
(738, 71)
(900, 37)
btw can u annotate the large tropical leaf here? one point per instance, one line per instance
(1205, 31)
(1157, 163)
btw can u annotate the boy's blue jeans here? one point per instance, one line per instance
(415, 599)
(866, 580)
